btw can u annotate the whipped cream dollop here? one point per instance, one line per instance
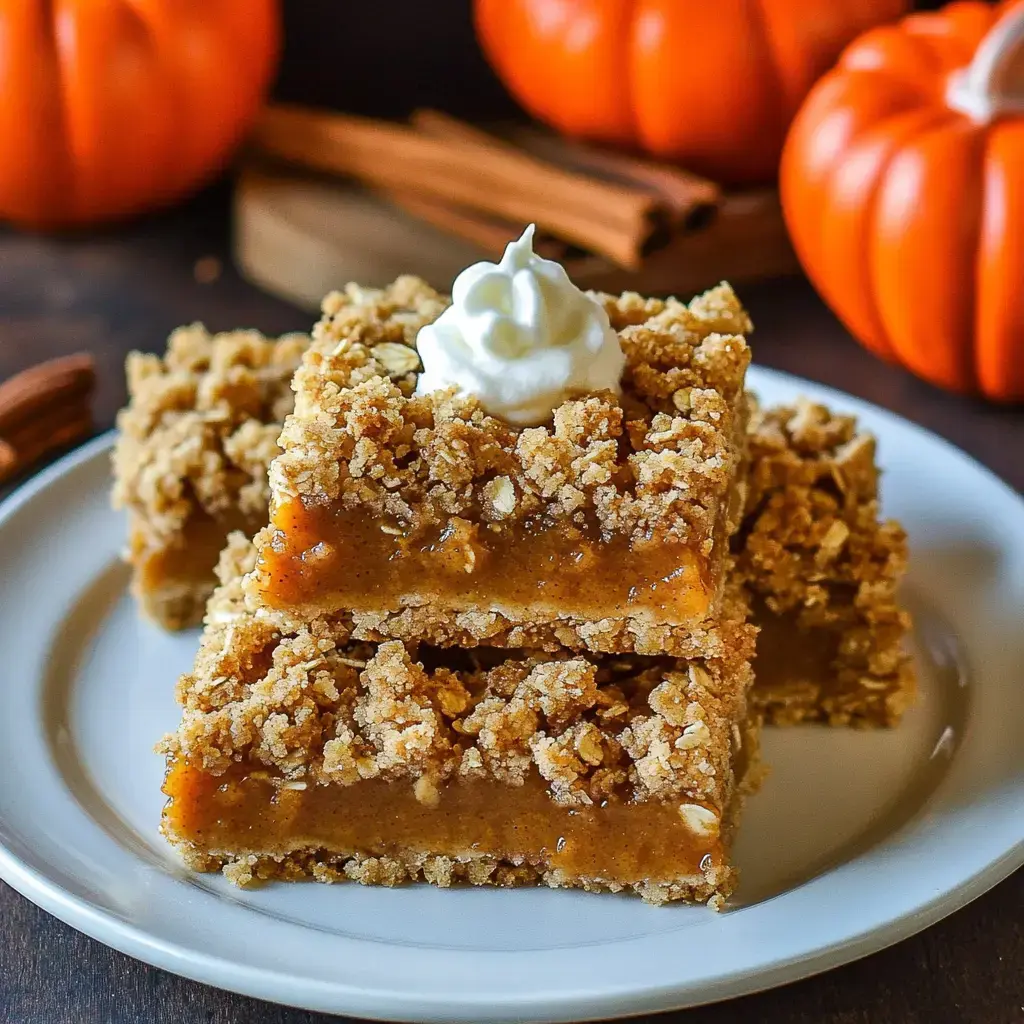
(520, 337)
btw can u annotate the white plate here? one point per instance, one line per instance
(857, 840)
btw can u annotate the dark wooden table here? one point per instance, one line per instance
(112, 292)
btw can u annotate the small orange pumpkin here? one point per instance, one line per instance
(903, 188)
(107, 109)
(712, 84)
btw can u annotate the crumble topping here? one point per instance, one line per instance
(311, 703)
(201, 427)
(659, 461)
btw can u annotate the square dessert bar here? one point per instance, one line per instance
(606, 530)
(191, 459)
(822, 573)
(304, 752)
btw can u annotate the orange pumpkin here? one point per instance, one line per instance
(712, 84)
(108, 108)
(903, 187)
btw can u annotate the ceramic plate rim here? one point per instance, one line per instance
(349, 998)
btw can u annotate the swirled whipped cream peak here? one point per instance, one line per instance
(520, 337)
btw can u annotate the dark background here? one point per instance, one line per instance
(385, 57)
(126, 288)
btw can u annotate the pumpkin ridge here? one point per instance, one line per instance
(931, 352)
(847, 273)
(695, 82)
(89, 111)
(968, 355)
(999, 312)
(911, 119)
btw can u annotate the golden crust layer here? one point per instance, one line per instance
(813, 551)
(626, 634)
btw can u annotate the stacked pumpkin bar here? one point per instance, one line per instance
(470, 650)
(533, 695)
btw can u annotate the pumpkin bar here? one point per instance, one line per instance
(304, 752)
(190, 464)
(606, 530)
(822, 573)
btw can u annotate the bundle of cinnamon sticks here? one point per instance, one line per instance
(484, 187)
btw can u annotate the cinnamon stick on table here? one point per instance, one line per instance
(43, 409)
(36, 393)
(468, 168)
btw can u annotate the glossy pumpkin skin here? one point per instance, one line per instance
(111, 107)
(907, 215)
(712, 84)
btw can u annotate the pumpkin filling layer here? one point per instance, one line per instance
(788, 654)
(173, 580)
(627, 843)
(326, 555)
(193, 555)
(829, 672)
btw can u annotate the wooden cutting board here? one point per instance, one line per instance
(299, 237)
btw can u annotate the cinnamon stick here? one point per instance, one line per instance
(8, 461)
(689, 197)
(28, 394)
(43, 409)
(15, 460)
(469, 168)
(50, 433)
(747, 241)
(450, 129)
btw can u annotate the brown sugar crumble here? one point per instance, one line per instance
(191, 459)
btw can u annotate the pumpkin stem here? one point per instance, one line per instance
(992, 85)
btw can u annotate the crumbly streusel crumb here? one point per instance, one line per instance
(659, 461)
(813, 551)
(201, 426)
